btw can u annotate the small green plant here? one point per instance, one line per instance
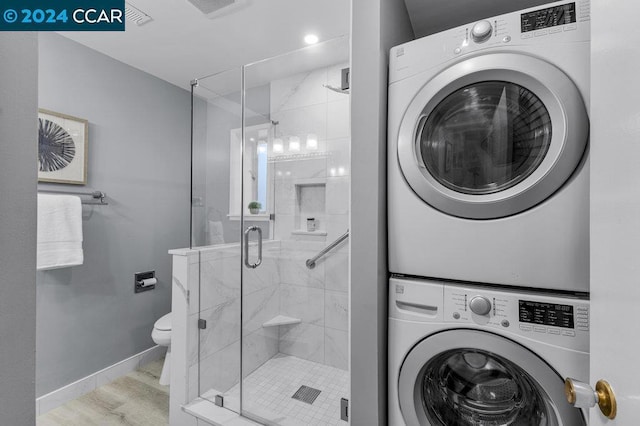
(254, 206)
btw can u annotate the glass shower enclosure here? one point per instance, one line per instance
(270, 218)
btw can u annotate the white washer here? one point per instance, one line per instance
(471, 355)
(488, 161)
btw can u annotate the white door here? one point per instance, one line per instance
(615, 206)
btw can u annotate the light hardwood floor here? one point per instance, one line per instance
(136, 399)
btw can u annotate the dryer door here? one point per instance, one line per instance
(469, 377)
(492, 136)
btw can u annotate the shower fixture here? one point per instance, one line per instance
(344, 82)
(278, 146)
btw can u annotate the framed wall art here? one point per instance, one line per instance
(62, 148)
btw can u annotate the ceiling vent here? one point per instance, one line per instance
(216, 8)
(135, 15)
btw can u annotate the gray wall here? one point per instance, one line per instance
(88, 316)
(377, 25)
(18, 150)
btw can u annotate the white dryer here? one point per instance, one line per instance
(488, 171)
(474, 355)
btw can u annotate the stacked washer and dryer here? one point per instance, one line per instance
(488, 206)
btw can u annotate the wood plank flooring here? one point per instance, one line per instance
(136, 399)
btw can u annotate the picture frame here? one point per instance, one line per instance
(62, 148)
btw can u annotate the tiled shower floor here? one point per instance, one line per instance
(268, 391)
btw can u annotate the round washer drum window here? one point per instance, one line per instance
(485, 137)
(476, 387)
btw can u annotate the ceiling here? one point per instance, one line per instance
(181, 43)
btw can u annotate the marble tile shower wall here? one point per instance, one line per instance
(219, 344)
(281, 285)
(303, 107)
(319, 298)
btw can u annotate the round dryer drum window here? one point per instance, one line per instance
(485, 137)
(493, 136)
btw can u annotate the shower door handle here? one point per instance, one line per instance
(246, 247)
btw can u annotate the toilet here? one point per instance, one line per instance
(161, 334)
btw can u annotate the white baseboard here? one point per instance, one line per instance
(85, 385)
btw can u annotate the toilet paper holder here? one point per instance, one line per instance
(144, 281)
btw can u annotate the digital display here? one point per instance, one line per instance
(546, 314)
(546, 18)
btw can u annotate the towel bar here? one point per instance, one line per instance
(96, 195)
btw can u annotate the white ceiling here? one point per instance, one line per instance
(181, 43)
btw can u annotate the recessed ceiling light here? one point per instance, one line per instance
(311, 39)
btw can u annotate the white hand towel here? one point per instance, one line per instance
(216, 232)
(59, 231)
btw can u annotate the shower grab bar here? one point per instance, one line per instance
(96, 195)
(311, 263)
(246, 247)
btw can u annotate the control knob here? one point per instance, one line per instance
(480, 305)
(481, 31)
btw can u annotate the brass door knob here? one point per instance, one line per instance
(581, 395)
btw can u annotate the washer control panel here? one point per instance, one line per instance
(481, 31)
(542, 317)
(480, 305)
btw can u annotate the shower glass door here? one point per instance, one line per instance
(271, 179)
(295, 202)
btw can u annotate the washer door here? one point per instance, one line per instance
(469, 377)
(492, 136)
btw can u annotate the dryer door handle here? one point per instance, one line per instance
(418, 308)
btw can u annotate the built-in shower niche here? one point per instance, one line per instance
(310, 209)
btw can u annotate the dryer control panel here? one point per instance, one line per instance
(543, 27)
(542, 317)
